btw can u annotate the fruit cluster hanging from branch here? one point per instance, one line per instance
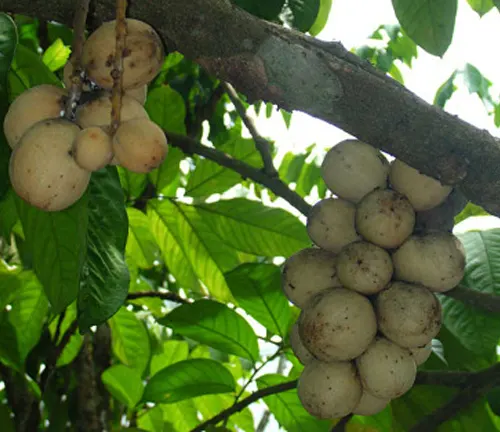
(60, 136)
(366, 290)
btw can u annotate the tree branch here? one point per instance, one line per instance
(480, 300)
(155, 294)
(262, 144)
(190, 146)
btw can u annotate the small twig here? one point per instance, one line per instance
(342, 423)
(155, 294)
(263, 145)
(75, 91)
(277, 186)
(477, 299)
(117, 72)
(279, 388)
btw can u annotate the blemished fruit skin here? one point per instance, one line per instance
(298, 348)
(408, 314)
(98, 112)
(330, 224)
(385, 217)
(42, 169)
(364, 267)
(140, 145)
(421, 354)
(329, 390)
(337, 324)
(352, 169)
(142, 57)
(92, 149)
(435, 260)
(386, 370)
(308, 272)
(423, 192)
(370, 405)
(33, 105)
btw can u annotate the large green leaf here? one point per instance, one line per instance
(124, 384)
(132, 183)
(470, 210)
(268, 9)
(481, 6)
(257, 288)
(251, 227)
(185, 252)
(106, 279)
(216, 325)
(304, 13)
(325, 7)
(187, 379)
(172, 351)
(475, 329)
(181, 416)
(57, 243)
(287, 408)
(141, 245)
(209, 177)
(130, 340)
(429, 23)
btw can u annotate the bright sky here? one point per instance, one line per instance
(473, 41)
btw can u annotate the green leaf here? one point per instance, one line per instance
(325, 6)
(106, 278)
(8, 214)
(185, 251)
(214, 324)
(291, 167)
(130, 340)
(187, 379)
(182, 416)
(310, 175)
(172, 352)
(257, 288)
(470, 210)
(209, 177)
(56, 55)
(429, 23)
(481, 6)
(445, 92)
(152, 420)
(124, 384)
(477, 83)
(166, 177)
(268, 9)
(57, 242)
(477, 330)
(141, 245)
(72, 348)
(254, 228)
(287, 408)
(28, 70)
(304, 13)
(132, 183)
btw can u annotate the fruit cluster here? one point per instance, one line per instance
(369, 313)
(53, 157)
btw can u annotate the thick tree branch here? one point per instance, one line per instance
(477, 299)
(262, 144)
(190, 146)
(267, 62)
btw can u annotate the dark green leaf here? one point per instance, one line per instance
(8, 214)
(186, 252)
(124, 384)
(216, 325)
(445, 92)
(291, 167)
(130, 340)
(310, 175)
(481, 6)
(429, 23)
(268, 9)
(56, 56)
(325, 7)
(209, 177)
(304, 13)
(7, 419)
(187, 379)
(254, 228)
(106, 278)
(257, 288)
(57, 242)
(72, 348)
(477, 330)
(287, 408)
(132, 183)
(141, 245)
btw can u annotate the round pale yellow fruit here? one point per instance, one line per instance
(98, 112)
(140, 94)
(298, 347)
(421, 354)
(329, 390)
(370, 405)
(92, 149)
(408, 314)
(140, 145)
(330, 224)
(142, 57)
(423, 192)
(308, 272)
(352, 168)
(42, 169)
(38, 103)
(337, 324)
(385, 217)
